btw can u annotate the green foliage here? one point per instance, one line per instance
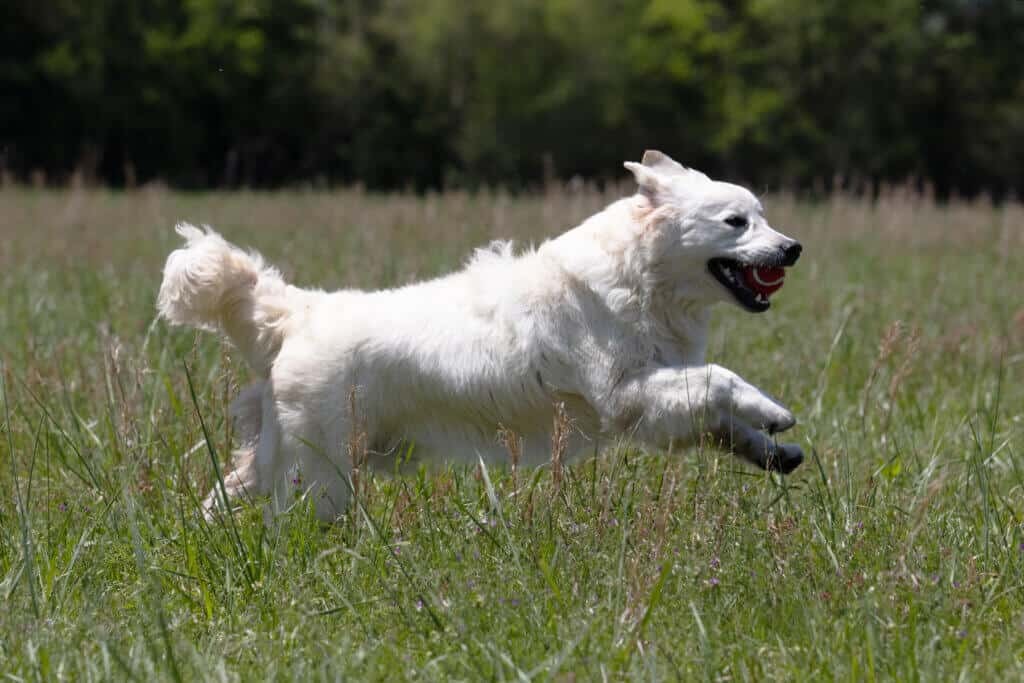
(783, 93)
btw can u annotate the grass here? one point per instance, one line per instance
(895, 552)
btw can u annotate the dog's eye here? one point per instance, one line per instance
(737, 221)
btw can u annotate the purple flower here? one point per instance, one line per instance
(714, 563)
(63, 507)
(714, 581)
(961, 634)
(935, 578)
(514, 602)
(419, 604)
(956, 584)
(296, 481)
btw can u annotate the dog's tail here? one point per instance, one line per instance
(214, 285)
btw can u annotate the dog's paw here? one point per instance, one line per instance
(762, 411)
(742, 399)
(785, 458)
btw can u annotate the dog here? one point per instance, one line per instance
(608, 322)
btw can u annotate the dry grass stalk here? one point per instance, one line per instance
(357, 448)
(559, 443)
(665, 508)
(913, 346)
(886, 347)
(228, 389)
(514, 445)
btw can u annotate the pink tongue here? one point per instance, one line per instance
(764, 280)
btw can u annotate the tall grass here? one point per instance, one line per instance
(895, 552)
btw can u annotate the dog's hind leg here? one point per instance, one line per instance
(324, 475)
(255, 464)
(241, 482)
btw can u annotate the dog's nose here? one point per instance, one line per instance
(791, 253)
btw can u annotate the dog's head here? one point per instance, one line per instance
(709, 240)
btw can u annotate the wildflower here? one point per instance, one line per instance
(714, 581)
(714, 563)
(419, 604)
(63, 507)
(961, 634)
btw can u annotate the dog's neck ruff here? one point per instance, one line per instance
(690, 326)
(611, 254)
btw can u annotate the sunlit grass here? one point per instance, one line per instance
(896, 551)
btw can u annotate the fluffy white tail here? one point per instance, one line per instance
(214, 285)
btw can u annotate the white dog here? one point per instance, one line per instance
(610, 320)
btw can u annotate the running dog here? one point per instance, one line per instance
(609, 320)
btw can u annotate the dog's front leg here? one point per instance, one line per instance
(680, 405)
(754, 446)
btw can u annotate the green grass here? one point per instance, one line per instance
(895, 552)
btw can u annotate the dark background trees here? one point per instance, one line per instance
(436, 93)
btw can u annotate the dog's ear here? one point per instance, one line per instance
(662, 162)
(660, 176)
(651, 181)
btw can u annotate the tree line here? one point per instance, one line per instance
(456, 93)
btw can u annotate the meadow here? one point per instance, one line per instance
(895, 552)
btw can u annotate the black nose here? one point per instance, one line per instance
(791, 253)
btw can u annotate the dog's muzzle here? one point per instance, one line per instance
(752, 284)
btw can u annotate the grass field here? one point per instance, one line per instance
(896, 552)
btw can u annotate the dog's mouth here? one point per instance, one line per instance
(752, 284)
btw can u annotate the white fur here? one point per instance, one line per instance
(610, 319)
